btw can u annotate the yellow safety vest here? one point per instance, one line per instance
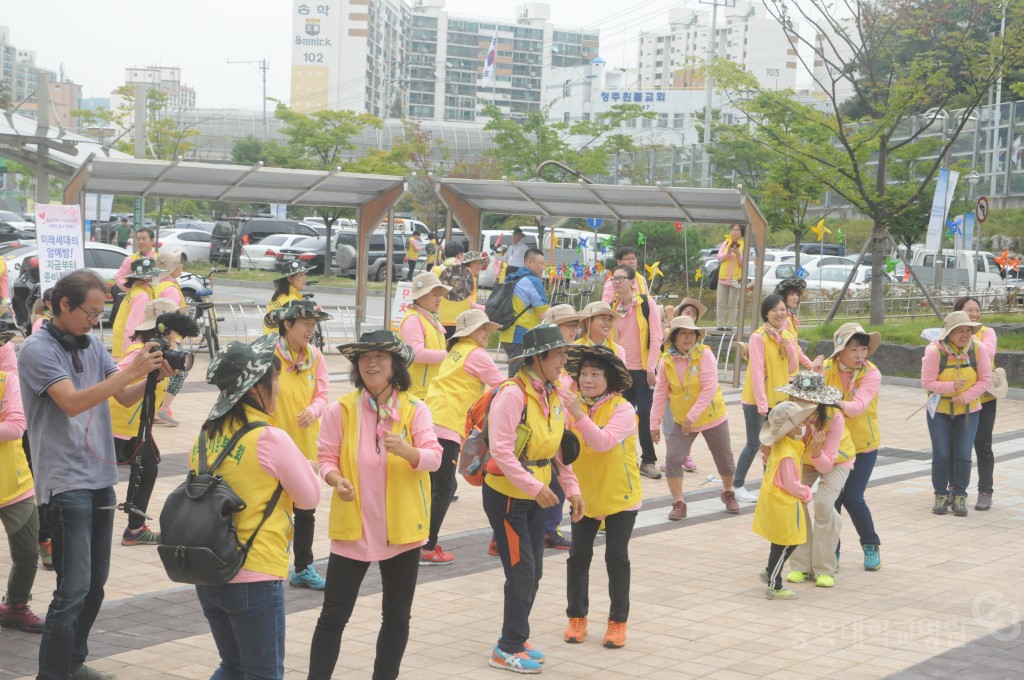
(292, 294)
(296, 392)
(846, 451)
(730, 273)
(682, 397)
(544, 442)
(159, 289)
(433, 338)
(609, 480)
(449, 311)
(410, 251)
(451, 394)
(958, 369)
(643, 326)
(780, 517)
(792, 325)
(981, 331)
(609, 343)
(863, 428)
(407, 492)
(242, 470)
(121, 321)
(776, 370)
(125, 419)
(15, 476)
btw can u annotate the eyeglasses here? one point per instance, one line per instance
(619, 279)
(91, 316)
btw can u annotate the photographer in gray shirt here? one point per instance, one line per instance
(66, 377)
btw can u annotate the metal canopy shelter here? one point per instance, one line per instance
(24, 141)
(468, 200)
(374, 196)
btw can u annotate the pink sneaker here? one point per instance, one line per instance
(689, 465)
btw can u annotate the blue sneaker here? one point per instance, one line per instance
(872, 558)
(534, 654)
(517, 663)
(307, 578)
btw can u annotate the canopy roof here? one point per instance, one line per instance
(605, 201)
(244, 184)
(21, 138)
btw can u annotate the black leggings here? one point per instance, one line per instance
(144, 470)
(442, 488)
(616, 558)
(777, 557)
(344, 577)
(302, 542)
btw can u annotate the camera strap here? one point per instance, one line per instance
(147, 409)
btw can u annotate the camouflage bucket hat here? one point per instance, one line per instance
(377, 341)
(237, 368)
(295, 309)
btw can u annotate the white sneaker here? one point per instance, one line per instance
(744, 496)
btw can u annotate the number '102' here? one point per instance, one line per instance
(314, 57)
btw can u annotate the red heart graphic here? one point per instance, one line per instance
(42, 216)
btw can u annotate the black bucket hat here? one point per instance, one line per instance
(541, 338)
(601, 354)
(295, 309)
(377, 341)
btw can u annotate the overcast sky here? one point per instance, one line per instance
(97, 39)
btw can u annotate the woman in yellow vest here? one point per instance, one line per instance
(304, 382)
(246, 615)
(779, 515)
(791, 290)
(377, 446)
(161, 320)
(688, 385)
(132, 308)
(987, 416)
(609, 480)
(526, 426)
(169, 264)
(956, 371)
(828, 459)
(462, 278)
(772, 360)
(412, 254)
(287, 288)
(732, 254)
(598, 322)
(849, 371)
(421, 330)
(464, 375)
(18, 511)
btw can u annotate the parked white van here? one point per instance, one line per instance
(494, 242)
(961, 268)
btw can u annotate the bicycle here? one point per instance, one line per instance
(203, 312)
(318, 331)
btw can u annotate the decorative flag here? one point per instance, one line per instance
(820, 229)
(1014, 263)
(640, 238)
(679, 227)
(890, 265)
(1003, 259)
(489, 61)
(654, 270)
(698, 275)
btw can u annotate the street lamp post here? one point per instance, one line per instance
(972, 180)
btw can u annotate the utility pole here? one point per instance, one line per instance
(43, 120)
(705, 170)
(999, 101)
(264, 66)
(139, 133)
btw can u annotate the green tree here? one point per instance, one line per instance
(897, 95)
(166, 138)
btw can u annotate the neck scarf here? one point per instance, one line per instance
(959, 354)
(544, 389)
(593, 405)
(386, 411)
(292, 362)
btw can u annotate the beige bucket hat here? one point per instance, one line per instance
(690, 302)
(168, 261)
(470, 320)
(955, 320)
(783, 418)
(424, 283)
(684, 323)
(560, 314)
(153, 309)
(845, 332)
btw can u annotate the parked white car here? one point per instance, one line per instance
(263, 255)
(17, 221)
(194, 244)
(832, 277)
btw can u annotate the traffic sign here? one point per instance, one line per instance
(595, 222)
(981, 208)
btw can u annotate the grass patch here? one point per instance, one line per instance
(909, 332)
(203, 268)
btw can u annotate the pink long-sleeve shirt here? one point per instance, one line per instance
(413, 334)
(628, 335)
(172, 293)
(504, 415)
(136, 312)
(755, 353)
(727, 274)
(8, 358)
(608, 294)
(988, 339)
(787, 477)
(707, 378)
(281, 459)
(373, 546)
(12, 423)
(830, 449)
(930, 375)
(867, 389)
(481, 366)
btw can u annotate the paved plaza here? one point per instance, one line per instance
(946, 602)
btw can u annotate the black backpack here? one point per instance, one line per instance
(499, 304)
(198, 540)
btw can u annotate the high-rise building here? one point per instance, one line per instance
(424, 62)
(18, 69)
(167, 79)
(744, 33)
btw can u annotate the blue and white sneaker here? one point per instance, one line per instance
(534, 654)
(519, 662)
(307, 578)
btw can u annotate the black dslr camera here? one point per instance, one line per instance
(178, 359)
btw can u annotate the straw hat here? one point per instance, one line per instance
(684, 323)
(690, 302)
(598, 309)
(955, 320)
(601, 354)
(471, 320)
(169, 260)
(845, 332)
(541, 338)
(237, 368)
(377, 341)
(811, 386)
(292, 268)
(424, 283)
(560, 314)
(782, 419)
(153, 309)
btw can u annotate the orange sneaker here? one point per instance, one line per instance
(576, 631)
(437, 556)
(615, 636)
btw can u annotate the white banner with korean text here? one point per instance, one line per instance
(60, 239)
